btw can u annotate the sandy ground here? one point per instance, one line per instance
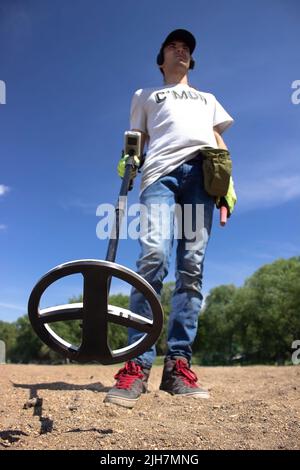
(61, 407)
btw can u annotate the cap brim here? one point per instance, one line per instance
(181, 35)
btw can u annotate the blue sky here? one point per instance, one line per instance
(70, 68)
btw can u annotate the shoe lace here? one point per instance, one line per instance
(128, 374)
(188, 376)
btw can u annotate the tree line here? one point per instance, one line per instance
(253, 324)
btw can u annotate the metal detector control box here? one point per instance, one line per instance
(133, 143)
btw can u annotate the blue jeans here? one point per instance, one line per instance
(180, 196)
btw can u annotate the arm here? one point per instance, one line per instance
(220, 142)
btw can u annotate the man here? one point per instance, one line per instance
(176, 121)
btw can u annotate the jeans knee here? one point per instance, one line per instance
(189, 277)
(153, 264)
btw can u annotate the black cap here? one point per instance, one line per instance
(181, 35)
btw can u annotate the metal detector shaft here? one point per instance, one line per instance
(119, 214)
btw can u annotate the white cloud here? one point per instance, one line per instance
(268, 179)
(270, 250)
(269, 191)
(235, 272)
(85, 207)
(3, 189)
(19, 308)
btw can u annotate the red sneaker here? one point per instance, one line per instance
(179, 379)
(131, 383)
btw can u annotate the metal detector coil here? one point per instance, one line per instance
(95, 313)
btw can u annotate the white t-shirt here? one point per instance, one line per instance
(179, 120)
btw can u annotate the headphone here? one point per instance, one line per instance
(160, 60)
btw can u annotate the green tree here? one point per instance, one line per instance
(166, 298)
(258, 321)
(269, 311)
(27, 346)
(215, 342)
(8, 334)
(117, 334)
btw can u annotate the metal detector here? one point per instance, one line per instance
(94, 311)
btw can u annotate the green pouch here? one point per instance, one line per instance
(217, 168)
